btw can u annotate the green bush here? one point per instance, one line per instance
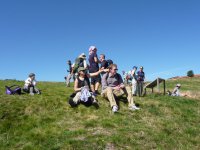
(190, 73)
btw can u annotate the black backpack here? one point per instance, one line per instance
(109, 61)
(14, 89)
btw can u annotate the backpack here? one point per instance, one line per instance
(14, 89)
(78, 63)
(109, 61)
(118, 76)
(129, 77)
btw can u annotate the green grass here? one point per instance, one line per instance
(189, 86)
(47, 121)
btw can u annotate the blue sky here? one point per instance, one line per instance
(40, 36)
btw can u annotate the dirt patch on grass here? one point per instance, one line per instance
(92, 117)
(190, 94)
(98, 130)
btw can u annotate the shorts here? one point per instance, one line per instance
(95, 79)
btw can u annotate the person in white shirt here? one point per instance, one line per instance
(30, 85)
(176, 91)
(134, 81)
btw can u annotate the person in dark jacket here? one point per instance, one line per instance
(140, 80)
(94, 67)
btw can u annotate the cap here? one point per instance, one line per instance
(141, 67)
(82, 56)
(178, 85)
(31, 75)
(92, 48)
(81, 69)
(134, 67)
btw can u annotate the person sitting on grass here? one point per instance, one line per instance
(176, 91)
(30, 85)
(82, 89)
(113, 87)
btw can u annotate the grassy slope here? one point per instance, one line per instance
(190, 86)
(47, 122)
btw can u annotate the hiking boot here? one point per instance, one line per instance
(72, 103)
(133, 107)
(114, 109)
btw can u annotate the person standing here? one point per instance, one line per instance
(94, 67)
(70, 73)
(103, 62)
(140, 80)
(134, 81)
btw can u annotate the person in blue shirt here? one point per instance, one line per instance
(94, 67)
(140, 80)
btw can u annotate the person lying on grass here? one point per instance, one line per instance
(82, 89)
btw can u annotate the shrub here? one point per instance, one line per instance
(190, 73)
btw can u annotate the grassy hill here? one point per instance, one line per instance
(47, 121)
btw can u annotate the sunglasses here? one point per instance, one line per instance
(115, 69)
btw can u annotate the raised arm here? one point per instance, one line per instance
(96, 73)
(96, 60)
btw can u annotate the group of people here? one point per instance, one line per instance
(136, 78)
(88, 78)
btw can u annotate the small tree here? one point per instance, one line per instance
(190, 73)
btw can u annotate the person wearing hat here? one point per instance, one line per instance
(176, 91)
(30, 85)
(140, 80)
(80, 61)
(94, 67)
(82, 88)
(134, 81)
(68, 77)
